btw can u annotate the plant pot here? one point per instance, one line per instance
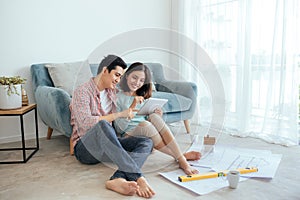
(12, 101)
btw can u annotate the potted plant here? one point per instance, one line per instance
(10, 92)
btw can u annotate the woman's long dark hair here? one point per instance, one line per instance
(146, 90)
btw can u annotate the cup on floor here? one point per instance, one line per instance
(233, 178)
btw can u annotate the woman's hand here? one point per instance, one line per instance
(136, 100)
(158, 111)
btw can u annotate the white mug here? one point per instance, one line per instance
(233, 177)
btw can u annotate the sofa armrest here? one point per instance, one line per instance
(187, 89)
(53, 107)
(40, 76)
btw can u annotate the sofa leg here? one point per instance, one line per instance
(187, 125)
(49, 133)
(71, 147)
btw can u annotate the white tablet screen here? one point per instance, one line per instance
(150, 105)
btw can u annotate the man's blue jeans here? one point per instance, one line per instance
(101, 144)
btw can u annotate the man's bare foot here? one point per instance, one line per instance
(144, 189)
(122, 186)
(183, 164)
(192, 155)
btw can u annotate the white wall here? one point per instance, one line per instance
(37, 31)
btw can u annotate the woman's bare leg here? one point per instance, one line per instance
(171, 143)
(147, 129)
(161, 146)
(192, 155)
(163, 140)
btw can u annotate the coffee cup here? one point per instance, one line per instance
(233, 178)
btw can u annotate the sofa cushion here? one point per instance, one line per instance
(68, 76)
(176, 102)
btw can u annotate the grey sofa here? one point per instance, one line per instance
(53, 103)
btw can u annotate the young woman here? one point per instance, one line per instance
(135, 87)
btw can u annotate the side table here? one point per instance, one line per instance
(20, 112)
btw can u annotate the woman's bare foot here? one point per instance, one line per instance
(183, 164)
(192, 155)
(122, 186)
(144, 189)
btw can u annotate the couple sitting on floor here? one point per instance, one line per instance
(95, 105)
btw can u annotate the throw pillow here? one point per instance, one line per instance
(153, 87)
(153, 81)
(68, 76)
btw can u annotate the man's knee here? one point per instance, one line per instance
(104, 123)
(103, 127)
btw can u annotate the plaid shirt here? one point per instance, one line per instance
(86, 108)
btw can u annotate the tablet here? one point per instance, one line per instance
(150, 105)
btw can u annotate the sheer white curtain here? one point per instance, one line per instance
(255, 46)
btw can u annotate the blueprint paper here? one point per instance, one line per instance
(199, 187)
(226, 158)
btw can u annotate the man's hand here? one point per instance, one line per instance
(127, 113)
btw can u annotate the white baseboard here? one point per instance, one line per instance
(16, 138)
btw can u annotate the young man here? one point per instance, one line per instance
(94, 139)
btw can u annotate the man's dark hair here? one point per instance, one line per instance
(111, 62)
